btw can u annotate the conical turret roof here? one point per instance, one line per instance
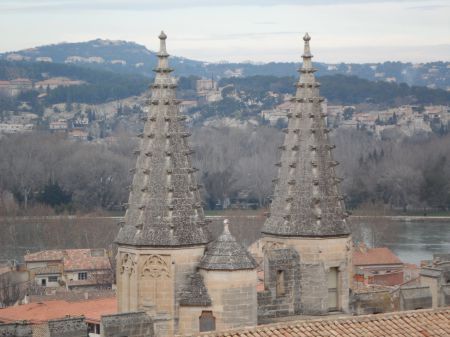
(307, 201)
(164, 207)
(225, 253)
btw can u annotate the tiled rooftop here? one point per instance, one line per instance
(82, 259)
(420, 323)
(74, 259)
(44, 255)
(41, 312)
(375, 256)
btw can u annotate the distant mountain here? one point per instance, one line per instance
(130, 57)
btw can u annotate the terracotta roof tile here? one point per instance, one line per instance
(431, 323)
(73, 259)
(44, 255)
(41, 312)
(86, 259)
(375, 256)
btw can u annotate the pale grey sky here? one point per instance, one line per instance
(238, 30)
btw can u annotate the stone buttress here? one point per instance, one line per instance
(164, 234)
(307, 214)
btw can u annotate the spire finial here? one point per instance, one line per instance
(162, 44)
(307, 51)
(226, 225)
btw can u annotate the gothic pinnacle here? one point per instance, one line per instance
(162, 199)
(306, 169)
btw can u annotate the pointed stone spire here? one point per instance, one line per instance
(307, 201)
(225, 253)
(164, 207)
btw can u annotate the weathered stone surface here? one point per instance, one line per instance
(67, 327)
(164, 207)
(132, 324)
(16, 330)
(412, 298)
(195, 294)
(269, 304)
(225, 253)
(445, 295)
(307, 201)
(313, 285)
(375, 302)
(233, 297)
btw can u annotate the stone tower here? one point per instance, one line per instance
(223, 292)
(307, 216)
(164, 235)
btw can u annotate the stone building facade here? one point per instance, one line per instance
(306, 242)
(436, 275)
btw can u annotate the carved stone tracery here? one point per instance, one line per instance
(155, 267)
(128, 264)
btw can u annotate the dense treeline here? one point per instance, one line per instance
(48, 169)
(235, 165)
(347, 90)
(101, 86)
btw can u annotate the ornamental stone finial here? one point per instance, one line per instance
(307, 52)
(162, 44)
(226, 225)
(162, 36)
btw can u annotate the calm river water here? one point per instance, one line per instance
(412, 241)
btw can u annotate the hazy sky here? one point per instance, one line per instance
(238, 30)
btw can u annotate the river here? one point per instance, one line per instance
(412, 241)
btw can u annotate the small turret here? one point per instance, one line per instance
(229, 273)
(225, 253)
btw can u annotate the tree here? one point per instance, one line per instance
(435, 187)
(54, 195)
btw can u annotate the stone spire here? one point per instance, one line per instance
(307, 201)
(164, 207)
(225, 253)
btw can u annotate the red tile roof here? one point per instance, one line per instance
(375, 256)
(43, 311)
(420, 323)
(85, 259)
(74, 259)
(45, 255)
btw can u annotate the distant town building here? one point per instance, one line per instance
(207, 90)
(44, 59)
(71, 268)
(17, 57)
(8, 128)
(436, 275)
(377, 266)
(58, 125)
(15, 87)
(55, 82)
